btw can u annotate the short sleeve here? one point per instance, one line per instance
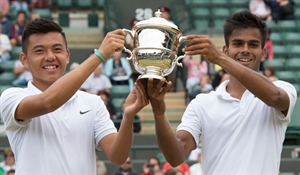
(292, 93)
(103, 125)
(9, 101)
(191, 122)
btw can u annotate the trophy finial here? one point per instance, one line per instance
(158, 13)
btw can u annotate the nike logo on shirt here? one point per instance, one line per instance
(83, 112)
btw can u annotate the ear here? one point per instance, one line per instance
(225, 49)
(68, 56)
(263, 55)
(23, 59)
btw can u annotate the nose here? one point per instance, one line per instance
(245, 50)
(50, 56)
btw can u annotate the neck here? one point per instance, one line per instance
(235, 88)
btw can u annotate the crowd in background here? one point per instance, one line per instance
(118, 71)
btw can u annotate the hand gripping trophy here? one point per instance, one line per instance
(155, 45)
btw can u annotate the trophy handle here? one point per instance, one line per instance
(125, 49)
(128, 51)
(182, 39)
(179, 58)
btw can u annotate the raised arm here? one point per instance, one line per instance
(182, 143)
(65, 87)
(117, 146)
(256, 83)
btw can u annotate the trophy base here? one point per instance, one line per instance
(150, 76)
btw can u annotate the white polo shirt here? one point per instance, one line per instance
(238, 136)
(61, 142)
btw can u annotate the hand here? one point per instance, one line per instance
(156, 90)
(136, 100)
(200, 44)
(113, 42)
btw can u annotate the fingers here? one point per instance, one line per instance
(157, 88)
(113, 41)
(197, 44)
(141, 94)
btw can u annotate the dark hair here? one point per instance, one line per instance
(20, 12)
(103, 92)
(158, 162)
(39, 26)
(172, 171)
(11, 171)
(244, 19)
(270, 68)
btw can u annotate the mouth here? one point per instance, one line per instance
(50, 67)
(244, 59)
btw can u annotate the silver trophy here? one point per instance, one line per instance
(155, 44)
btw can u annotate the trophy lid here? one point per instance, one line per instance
(158, 20)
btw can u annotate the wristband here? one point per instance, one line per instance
(97, 52)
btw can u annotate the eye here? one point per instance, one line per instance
(237, 44)
(254, 45)
(58, 49)
(39, 51)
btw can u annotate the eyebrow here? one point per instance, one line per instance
(252, 41)
(37, 46)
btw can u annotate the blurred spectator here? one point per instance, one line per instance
(101, 168)
(24, 75)
(281, 9)
(196, 169)
(173, 171)
(97, 82)
(197, 67)
(35, 4)
(218, 78)
(118, 70)
(11, 172)
(184, 168)
(9, 160)
(269, 46)
(109, 106)
(4, 6)
(19, 5)
(5, 23)
(2, 171)
(166, 13)
(136, 123)
(126, 169)
(287, 9)
(260, 9)
(5, 46)
(152, 167)
(204, 86)
(269, 49)
(34, 15)
(296, 153)
(17, 28)
(269, 72)
(74, 65)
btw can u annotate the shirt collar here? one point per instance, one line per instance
(221, 90)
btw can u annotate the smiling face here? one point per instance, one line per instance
(245, 47)
(47, 57)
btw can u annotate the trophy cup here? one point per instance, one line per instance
(155, 44)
